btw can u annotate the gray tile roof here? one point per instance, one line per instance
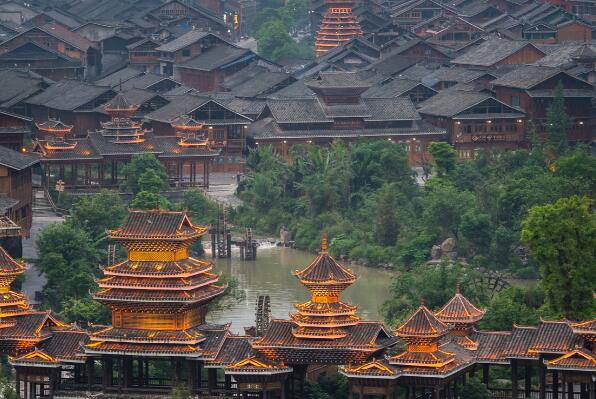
(394, 88)
(179, 105)
(311, 110)
(254, 80)
(6, 203)
(449, 103)
(525, 76)
(183, 41)
(267, 128)
(118, 77)
(490, 52)
(215, 57)
(15, 160)
(68, 95)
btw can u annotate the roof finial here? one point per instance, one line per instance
(421, 300)
(324, 242)
(457, 287)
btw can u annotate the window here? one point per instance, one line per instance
(515, 101)
(186, 52)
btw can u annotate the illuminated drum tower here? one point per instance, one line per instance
(339, 25)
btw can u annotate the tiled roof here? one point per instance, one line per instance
(586, 327)
(8, 264)
(577, 359)
(451, 102)
(183, 41)
(368, 336)
(163, 297)
(234, 349)
(459, 310)
(191, 336)
(215, 57)
(68, 95)
(257, 365)
(164, 269)
(30, 325)
(491, 345)
(116, 348)
(267, 128)
(66, 35)
(157, 224)
(520, 341)
(118, 77)
(338, 80)
(15, 160)
(422, 323)
(66, 345)
(553, 337)
(6, 203)
(394, 88)
(490, 52)
(325, 269)
(525, 76)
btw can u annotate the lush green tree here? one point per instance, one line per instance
(138, 165)
(98, 212)
(476, 228)
(265, 15)
(557, 122)
(474, 389)
(509, 307)
(149, 200)
(579, 167)
(271, 36)
(85, 310)
(444, 207)
(151, 181)
(562, 239)
(69, 261)
(386, 225)
(444, 155)
(200, 208)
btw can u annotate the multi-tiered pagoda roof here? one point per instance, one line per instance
(159, 293)
(324, 329)
(121, 128)
(339, 26)
(20, 328)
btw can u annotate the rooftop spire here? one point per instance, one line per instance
(324, 242)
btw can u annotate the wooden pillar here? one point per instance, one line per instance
(211, 380)
(570, 390)
(455, 393)
(485, 374)
(436, 391)
(140, 373)
(192, 375)
(514, 379)
(126, 372)
(527, 380)
(17, 382)
(90, 364)
(177, 371)
(583, 391)
(407, 392)
(106, 378)
(555, 384)
(541, 378)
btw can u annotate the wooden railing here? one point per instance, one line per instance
(505, 393)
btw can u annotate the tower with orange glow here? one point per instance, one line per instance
(190, 132)
(121, 128)
(339, 25)
(158, 295)
(56, 132)
(324, 316)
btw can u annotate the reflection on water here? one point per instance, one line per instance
(271, 274)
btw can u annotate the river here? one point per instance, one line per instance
(271, 274)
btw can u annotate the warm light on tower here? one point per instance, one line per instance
(339, 25)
